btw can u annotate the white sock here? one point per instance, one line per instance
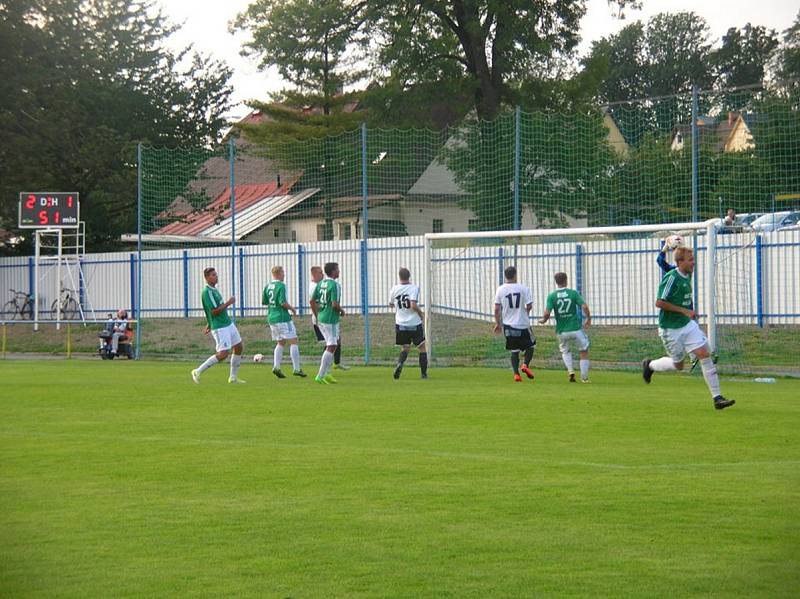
(235, 361)
(664, 364)
(294, 351)
(710, 374)
(207, 364)
(567, 357)
(277, 356)
(325, 363)
(585, 369)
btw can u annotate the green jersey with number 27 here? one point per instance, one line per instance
(565, 303)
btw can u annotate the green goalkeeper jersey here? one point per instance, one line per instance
(274, 297)
(211, 299)
(675, 288)
(325, 294)
(565, 303)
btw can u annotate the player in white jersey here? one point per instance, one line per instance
(316, 276)
(408, 318)
(512, 308)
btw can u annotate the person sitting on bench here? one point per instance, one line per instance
(120, 330)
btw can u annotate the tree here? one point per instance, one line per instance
(81, 82)
(316, 44)
(495, 44)
(788, 56)
(744, 55)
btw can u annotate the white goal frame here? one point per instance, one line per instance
(710, 227)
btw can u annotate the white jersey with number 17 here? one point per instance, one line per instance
(513, 299)
(401, 296)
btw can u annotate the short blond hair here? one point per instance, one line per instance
(316, 269)
(277, 270)
(682, 253)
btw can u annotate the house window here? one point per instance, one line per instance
(324, 232)
(294, 235)
(438, 225)
(345, 231)
(473, 225)
(276, 233)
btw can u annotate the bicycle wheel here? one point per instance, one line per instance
(27, 310)
(54, 310)
(9, 310)
(71, 310)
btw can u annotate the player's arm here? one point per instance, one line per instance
(548, 308)
(417, 309)
(222, 307)
(498, 318)
(335, 302)
(312, 303)
(286, 305)
(661, 259)
(587, 316)
(670, 307)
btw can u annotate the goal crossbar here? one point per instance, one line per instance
(709, 226)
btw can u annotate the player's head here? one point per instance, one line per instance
(277, 273)
(511, 274)
(210, 275)
(316, 274)
(560, 279)
(684, 259)
(405, 275)
(332, 270)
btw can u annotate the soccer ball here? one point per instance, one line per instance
(673, 242)
(258, 358)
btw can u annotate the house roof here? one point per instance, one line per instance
(716, 132)
(219, 210)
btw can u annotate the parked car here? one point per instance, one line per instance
(776, 220)
(746, 219)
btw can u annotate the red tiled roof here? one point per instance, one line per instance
(219, 209)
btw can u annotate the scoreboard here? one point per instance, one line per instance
(48, 210)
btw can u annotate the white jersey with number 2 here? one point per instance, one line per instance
(513, 299)
(402, 296)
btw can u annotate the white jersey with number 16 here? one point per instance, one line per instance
(513, 299)
(401, 297)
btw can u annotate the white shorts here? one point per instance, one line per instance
(580, 338)
(226, 337)
(283, 331)
(330, 332)
(679, 342)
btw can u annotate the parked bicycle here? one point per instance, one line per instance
(68, 305)
(20, 306)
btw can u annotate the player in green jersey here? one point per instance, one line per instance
(224, 332)
(567, 304)
(325, 305)
(678, 329)
(280, 323)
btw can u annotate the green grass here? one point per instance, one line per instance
(125, 479)
(464, 342)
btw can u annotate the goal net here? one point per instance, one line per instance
(616, 271)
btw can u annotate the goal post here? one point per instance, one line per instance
(614, 268)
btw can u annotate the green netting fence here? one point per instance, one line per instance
(245, 206)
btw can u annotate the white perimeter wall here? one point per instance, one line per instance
(619, 277)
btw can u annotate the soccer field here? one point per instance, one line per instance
(125, 479)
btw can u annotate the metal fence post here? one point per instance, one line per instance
(185, 284)
(364, 244)
(695, 152)
(241, 282)
(300, 278)
(517, 121)
(579, 268)
(232, 185)
(759, 281)
(137, 284)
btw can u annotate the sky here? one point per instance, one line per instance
(205, 24)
